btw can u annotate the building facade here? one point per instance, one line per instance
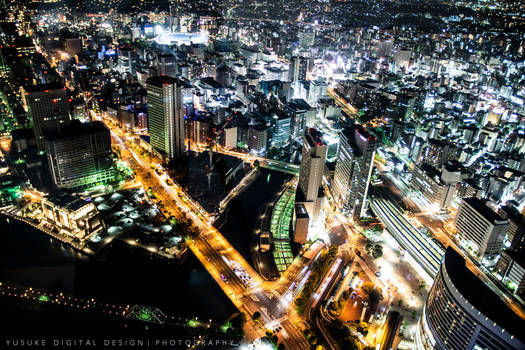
(353, 169)
(166, 116)
(167, 65)
(462, 313)
(281, 130)
(71, 215)
(80, 155)
(312, 164)
(480, 230)
(258, 138)
(438, 187)
(47, 106)
(511, 268)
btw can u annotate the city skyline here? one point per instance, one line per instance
(262, 175)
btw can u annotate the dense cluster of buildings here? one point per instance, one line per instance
(449, 104)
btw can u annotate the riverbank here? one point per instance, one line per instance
(127, 275)
(238, 222)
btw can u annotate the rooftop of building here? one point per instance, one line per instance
(430, 170)
(299, 104)
(280, 116)
(483, 209)
(166, 55)
(517, 256)
(479, 295)
(314, 137)
(162, 80)
(453, 166)
(473, 183)
(75, 129)
(20, 134)
(64, 199)
(512, 213)
(300, 211)
(436, 142)
(211, 82)
(349, 133)
(259, 126)
(44, 87)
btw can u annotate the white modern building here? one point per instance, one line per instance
(462, 313)
(71, 215)
(480, 230)
(166, 116)
(353, 169)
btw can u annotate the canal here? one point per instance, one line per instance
(237, 223)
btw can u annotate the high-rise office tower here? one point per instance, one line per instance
(480, 229)
(438, 152)
(438, 187)
(46, 105)
(281, 129)
(462, 313)
(167, 65)
(312, 164)
(298, 68)
(355, 157)
(293, 69)
(309, 192)
(166, 116)
(79, 155)
(127, 61)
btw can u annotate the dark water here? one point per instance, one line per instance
(238, 222)
(29, 257)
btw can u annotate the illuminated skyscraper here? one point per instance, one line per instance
(47, 107)
(312, 164)
(79, 155)
(127, 61)
(480, 229)
(167, 65)
(309, 191)
(166, 116)
(353, 168)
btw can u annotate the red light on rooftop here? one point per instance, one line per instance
(46, 90)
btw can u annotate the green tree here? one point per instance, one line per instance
(362, 328)
(374, 294)
(238, 321)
